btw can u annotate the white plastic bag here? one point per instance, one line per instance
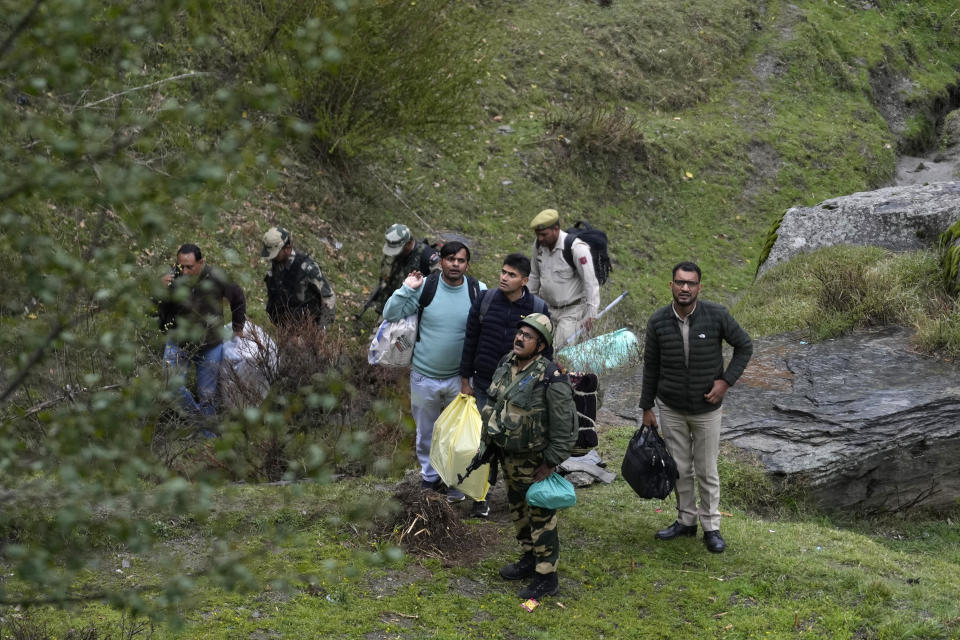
(249, 364)
(392, 344)
(456, 439)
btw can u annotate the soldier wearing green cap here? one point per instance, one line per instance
(573, 292)
(532, 418)
(402, 254)
(296, 287)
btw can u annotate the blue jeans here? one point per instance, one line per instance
(481, 396)
(207, 362)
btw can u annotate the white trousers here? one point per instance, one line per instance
(428, 398)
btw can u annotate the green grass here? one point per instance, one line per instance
(799, 572)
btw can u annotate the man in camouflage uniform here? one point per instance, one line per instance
(401, 255)
(296, 288)
(531, 417)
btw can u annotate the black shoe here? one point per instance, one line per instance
(521, 569)
(543, 584)
(714, 541)
(676, 530)
(480, 509)
(432, 485)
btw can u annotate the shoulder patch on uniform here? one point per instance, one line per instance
(311, 268)
(583, 260)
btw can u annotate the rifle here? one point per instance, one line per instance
(371, 299)
(490, 454)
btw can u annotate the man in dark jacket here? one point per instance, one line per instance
(296, 288)
(490, 326)
(683, 369)
(532, 418)
(491, 333)
(192, 316)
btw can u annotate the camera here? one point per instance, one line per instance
(176, 271)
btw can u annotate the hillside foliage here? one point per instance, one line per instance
(131, 126)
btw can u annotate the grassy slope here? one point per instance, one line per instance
(687, 130)
(781, 577)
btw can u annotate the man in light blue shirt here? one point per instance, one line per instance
(443, 301)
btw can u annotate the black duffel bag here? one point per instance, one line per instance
(648, 466)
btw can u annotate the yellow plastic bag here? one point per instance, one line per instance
(456, 438)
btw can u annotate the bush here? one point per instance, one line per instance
(325, 404)
(354, 72)
(837, 289)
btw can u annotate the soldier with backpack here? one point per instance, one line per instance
(296, 287)
(490, 333)
(531, 419)
(564, 273)
(443, 301)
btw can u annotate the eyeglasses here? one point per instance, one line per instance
(525, 335)
(686, 283)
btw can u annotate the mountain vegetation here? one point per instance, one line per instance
(684, 129)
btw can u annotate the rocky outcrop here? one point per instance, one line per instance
(903, 218)
(862, 421)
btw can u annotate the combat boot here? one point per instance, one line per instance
(543, 584)
(521, 569)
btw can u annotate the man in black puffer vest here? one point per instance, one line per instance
(491, 326)
(296, 288)
(683, 369)
(491, 333)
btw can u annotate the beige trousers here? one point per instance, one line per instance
(694, 442)
(565, 324)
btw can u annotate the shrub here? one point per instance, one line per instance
(837, 289)
(325, 402)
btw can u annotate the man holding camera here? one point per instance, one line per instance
(192, 317)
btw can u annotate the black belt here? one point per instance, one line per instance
(567, 306)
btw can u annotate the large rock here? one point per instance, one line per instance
(903, 218)
(863, 421)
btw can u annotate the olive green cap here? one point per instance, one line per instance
(545, 219)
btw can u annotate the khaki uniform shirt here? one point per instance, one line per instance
(553, 279)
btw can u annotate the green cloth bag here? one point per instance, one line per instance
(553, 492)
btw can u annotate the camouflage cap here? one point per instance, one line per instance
(275, 239)
(541, 323)
(397, 236)
(545, 219)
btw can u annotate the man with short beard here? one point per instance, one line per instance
(683, 370)
(532, 419)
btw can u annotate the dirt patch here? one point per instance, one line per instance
(468, 587)
(390, 583)
(427, 525)
(765, 163)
